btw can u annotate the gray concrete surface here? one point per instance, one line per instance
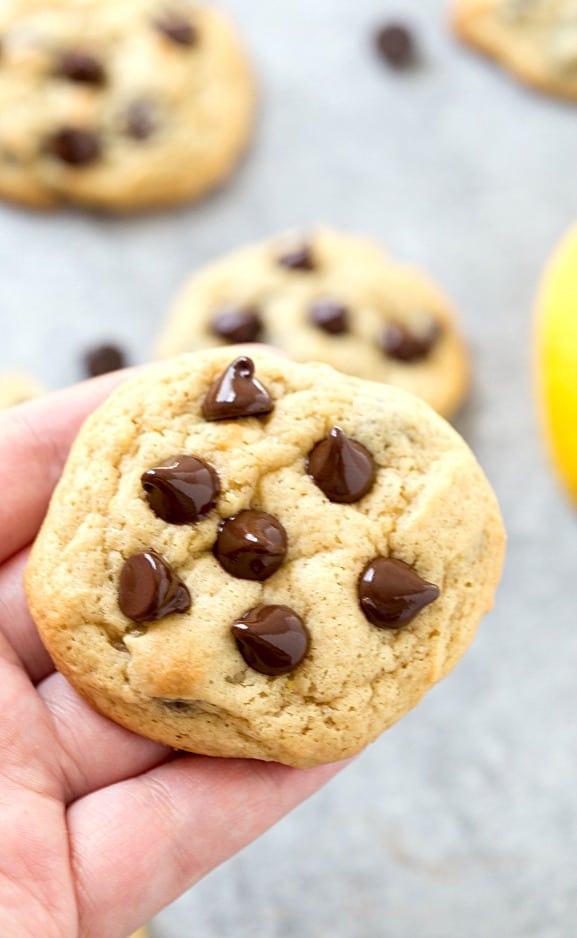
(461, 822)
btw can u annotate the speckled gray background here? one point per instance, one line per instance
(462, 821)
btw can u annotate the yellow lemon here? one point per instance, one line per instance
(141, 933)
(556, 359)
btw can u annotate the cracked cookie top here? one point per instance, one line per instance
(329, 297)
(251, 557)
(119, 104)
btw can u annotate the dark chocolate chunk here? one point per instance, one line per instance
(181, 490)
(396, 45)
(149, 589)
(177, 28)
(81, 67)
(238, 324)
(102, 359)
(300, 258)
(400, 343)
(342, 468)
(330, 316)
(251, 545)
(391, 593)
(140, 121)
(237, 393)
(76, 146)
(271, 639)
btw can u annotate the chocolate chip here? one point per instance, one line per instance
(391, 593)
(75, 146)
(181, 490)
(149, 589)
(140, 121)
(330, 316)
(177, 28)
(400, 343)
(301, 258)
(237, 393)
(238, 324)
(251, 545)
(271, 639)
(342, 468)
(81, 67)
(102, 359)
(396, 45)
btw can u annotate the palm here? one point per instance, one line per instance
(100, 828)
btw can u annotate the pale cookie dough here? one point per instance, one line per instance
(329, 297)
(119, 104)
(16, 388)
(350, 505)
(534, 39)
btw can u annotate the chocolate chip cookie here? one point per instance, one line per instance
(252, 557)
(17, 387)
(333, 298)
(119, 104)
(534, 39)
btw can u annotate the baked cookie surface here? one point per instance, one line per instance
(119, 104)
(534, 39)
(263, 559)
(333, 298)
(17, 387)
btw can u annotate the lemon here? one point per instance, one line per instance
(556, 359)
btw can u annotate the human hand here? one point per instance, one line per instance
(100, 828)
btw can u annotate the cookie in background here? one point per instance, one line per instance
(16, 387)
(536, 40)
(119, 104)
(329, 297)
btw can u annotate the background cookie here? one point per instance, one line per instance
(17, 387)
(535, 39)
(352, 513)
(330, 297)
(119, 104)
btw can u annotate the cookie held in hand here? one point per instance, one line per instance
(329, 297)
(119, 104)
(251, 557)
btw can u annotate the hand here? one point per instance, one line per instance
(99, 828)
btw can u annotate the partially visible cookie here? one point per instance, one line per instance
(333, 298)
(119, 104)
(256, 558)
(534, 39)
(17, 387)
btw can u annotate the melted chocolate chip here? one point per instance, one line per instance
(396, 46)
(342, 468)
(251, 545)
(301, 258)
(400, 343)
(181, 490)
(177, 28)
(271, 639)
(140, 121)
(102, 359)
(391, 593)
(149, 589)
(330, 316)
(76, 146)
(238, 324)
(81, 67)
(237, 393)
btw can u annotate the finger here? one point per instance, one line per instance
(36, 438)
(16, 622)
(169, 828)
(93, 751)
